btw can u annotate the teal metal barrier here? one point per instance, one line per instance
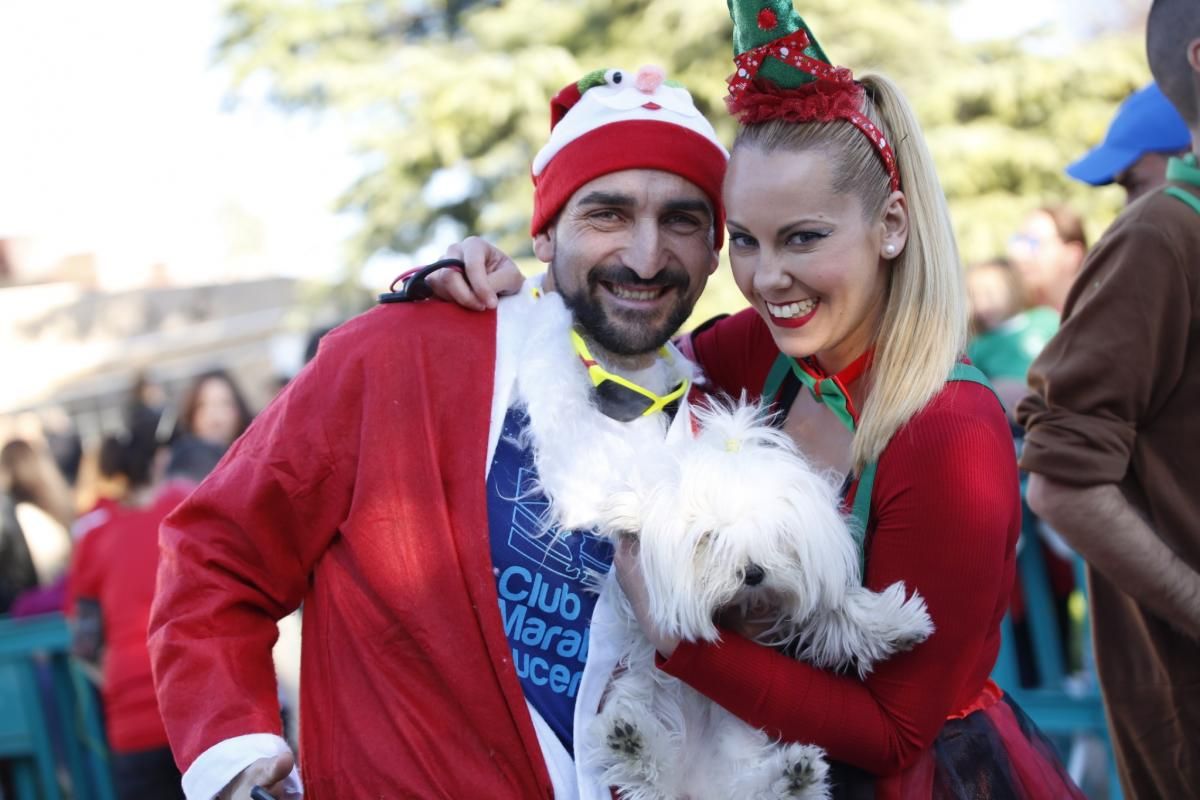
(40, 646)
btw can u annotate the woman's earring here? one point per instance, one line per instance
(889, 250)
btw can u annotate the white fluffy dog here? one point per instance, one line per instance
(734, 519)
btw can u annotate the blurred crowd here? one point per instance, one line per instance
(54, 491)
(80, 536)
(1016, 302)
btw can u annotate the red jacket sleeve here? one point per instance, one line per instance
(945, 519)
(237, 554)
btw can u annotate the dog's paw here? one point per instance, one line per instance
(912, 622)
(805, 773)
(625, 740)
(872, 626)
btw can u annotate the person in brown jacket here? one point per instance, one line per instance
(1113, 445)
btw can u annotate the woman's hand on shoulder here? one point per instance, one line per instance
(488, 274)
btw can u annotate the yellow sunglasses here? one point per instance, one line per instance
(621, 398)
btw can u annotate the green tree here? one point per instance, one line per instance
(449, 99)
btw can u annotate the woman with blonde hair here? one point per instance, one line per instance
(841, 241)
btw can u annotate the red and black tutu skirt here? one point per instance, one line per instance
(991, 751)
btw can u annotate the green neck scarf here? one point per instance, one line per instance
(1184, 170)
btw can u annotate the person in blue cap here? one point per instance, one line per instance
(1144, 134)
(1110, 444)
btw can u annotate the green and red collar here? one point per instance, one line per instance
(833, 391)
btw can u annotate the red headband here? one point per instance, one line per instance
(833, 94)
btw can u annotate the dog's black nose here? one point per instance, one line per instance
(754, 575)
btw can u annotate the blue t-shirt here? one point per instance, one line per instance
(541, 578)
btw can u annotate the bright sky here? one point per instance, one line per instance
(114, 140)
(1061, 19)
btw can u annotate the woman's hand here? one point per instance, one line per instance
(488, 273)
(633, 584)
(751, 628)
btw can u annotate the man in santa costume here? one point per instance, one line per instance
(426, 488)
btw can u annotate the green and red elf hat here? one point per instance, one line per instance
(612, 120)
(782, 73)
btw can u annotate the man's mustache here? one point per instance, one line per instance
(667, 278)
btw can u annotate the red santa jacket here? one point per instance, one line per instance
(360, 491)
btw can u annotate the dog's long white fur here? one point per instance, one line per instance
(736, 496)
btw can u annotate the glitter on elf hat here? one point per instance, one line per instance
(782, 73)
(613, 120)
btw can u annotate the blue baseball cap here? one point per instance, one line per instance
(1145, 123)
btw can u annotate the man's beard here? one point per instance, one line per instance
(637, 336)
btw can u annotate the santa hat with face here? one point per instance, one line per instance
(614, 120)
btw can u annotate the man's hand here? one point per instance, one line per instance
(266, 772)
(488, 273)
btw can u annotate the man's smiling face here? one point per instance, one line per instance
(630, 254)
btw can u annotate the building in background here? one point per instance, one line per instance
(73, 343)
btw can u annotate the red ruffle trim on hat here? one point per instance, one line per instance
(821, 100)
(826, 98)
